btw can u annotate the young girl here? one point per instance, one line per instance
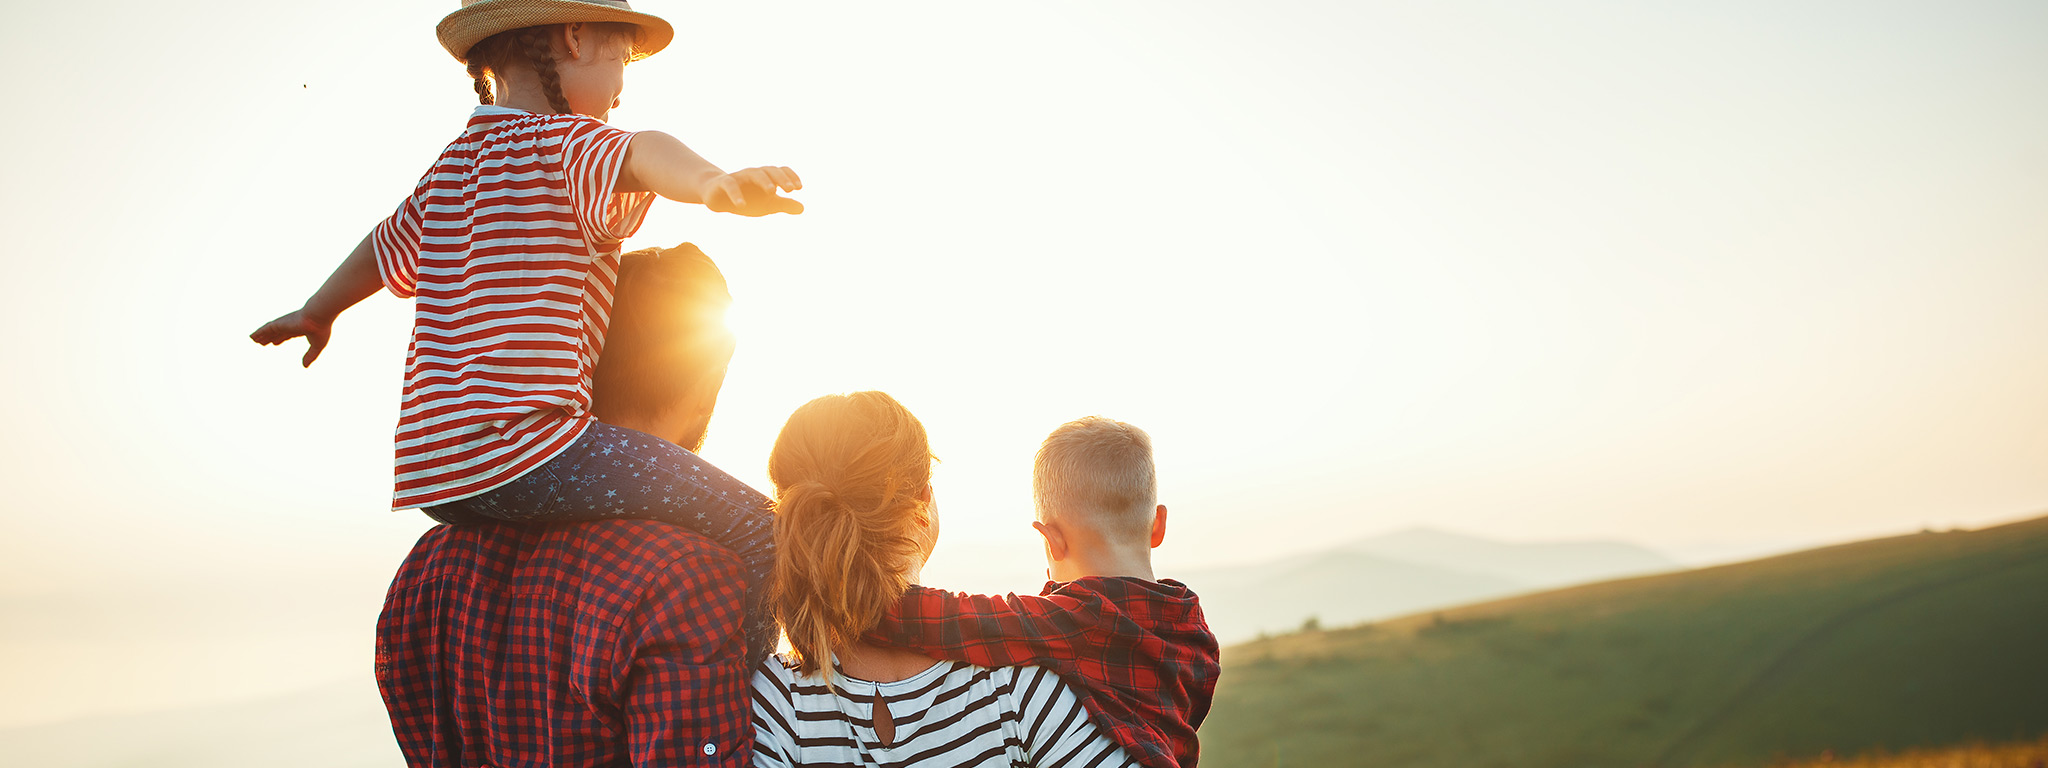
(509, 246)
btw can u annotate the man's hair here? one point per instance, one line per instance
(667, 337)
(1097, 473)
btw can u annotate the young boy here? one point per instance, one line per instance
(1136, 649)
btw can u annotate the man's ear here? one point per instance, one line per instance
(1055, 541)
(1159, 526)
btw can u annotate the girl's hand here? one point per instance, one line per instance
(752, 192)
(294, 325)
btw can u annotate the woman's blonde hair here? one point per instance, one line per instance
(850, 474)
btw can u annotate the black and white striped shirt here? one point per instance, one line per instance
(951, 715)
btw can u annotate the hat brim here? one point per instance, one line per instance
(467, 26)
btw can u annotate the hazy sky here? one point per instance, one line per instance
(1711, 278)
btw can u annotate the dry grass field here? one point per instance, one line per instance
(2025, 754)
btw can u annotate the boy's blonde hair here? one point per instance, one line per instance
(1097, 473)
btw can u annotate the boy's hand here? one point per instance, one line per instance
(752, 192)
(294, 325)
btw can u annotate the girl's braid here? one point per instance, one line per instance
(541, 53)
(483, 83)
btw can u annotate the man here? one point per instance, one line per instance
(616, 642)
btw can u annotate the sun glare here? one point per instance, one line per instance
(739, 319)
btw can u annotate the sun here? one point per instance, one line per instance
(740, 318)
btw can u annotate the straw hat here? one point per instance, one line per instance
(478, 19)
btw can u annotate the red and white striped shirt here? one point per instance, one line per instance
(509, 247)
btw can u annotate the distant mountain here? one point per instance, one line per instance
(1396, 574)
(1912, 641)
(1334, 587)
(1530, 564)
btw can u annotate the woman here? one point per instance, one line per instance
(854, 523)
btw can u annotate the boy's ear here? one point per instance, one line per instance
(1159, 526)
(1055, 541)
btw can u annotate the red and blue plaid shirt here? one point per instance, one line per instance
(582, 644)
(1138, 653)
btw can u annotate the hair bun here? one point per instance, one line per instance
(815, 491)
(812, 503)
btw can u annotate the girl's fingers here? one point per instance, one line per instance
(272, 333)
(765, 181)
(315, 342)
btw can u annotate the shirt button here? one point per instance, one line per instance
(710, 748)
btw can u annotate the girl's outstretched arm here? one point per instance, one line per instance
(351, 282)
(659, 163)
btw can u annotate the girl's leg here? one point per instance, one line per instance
(612, 472)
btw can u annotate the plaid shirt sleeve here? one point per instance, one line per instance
(1139, 652)
(681, 675)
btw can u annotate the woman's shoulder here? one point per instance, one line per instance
(1056, 725)
(774, 682)
(777, 669)
(1031, 687)
(1026, 676)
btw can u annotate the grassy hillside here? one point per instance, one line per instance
(1912, 641)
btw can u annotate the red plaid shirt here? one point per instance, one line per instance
(607, 643)
(1138, 653)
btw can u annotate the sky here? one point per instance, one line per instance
(1719, 279)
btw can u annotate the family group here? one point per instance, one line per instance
(597, 594)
